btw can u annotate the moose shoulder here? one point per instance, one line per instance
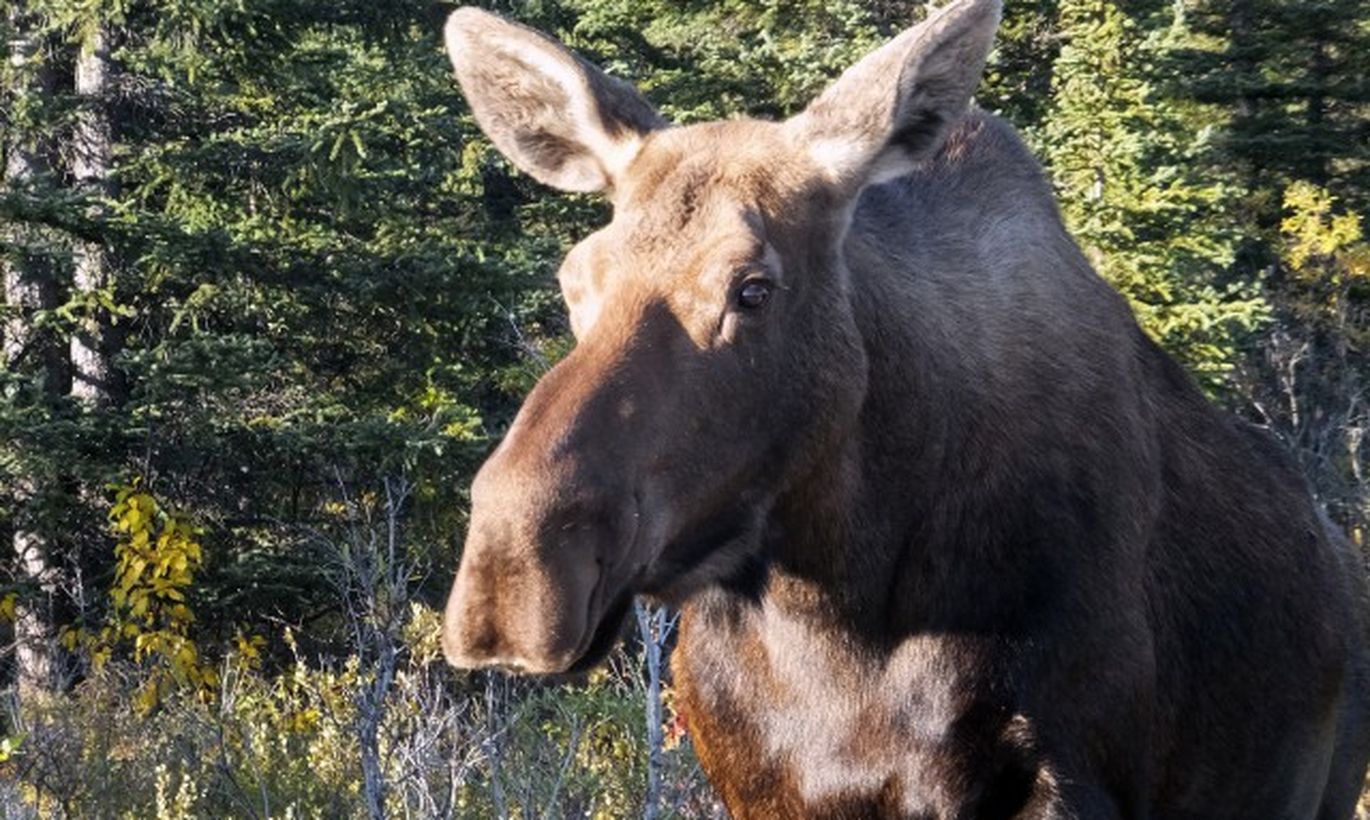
(952, 537)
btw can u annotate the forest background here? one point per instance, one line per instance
(269, 297)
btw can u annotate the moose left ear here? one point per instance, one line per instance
(894, 107)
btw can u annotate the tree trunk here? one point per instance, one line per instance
(1320, 68)
(90, 167)
(30, 285)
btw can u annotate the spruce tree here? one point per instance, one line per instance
(1287, 82)
(35, 371)
(1120, 156)
(1283, 87)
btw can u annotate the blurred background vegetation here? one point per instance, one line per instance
(269, 297)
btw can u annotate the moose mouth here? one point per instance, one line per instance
(729, 532)
(605, 636)
(688, 555)
(480, 634)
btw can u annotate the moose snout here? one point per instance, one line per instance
(554, 523)
(535, 582)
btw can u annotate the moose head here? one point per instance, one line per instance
(718, 362)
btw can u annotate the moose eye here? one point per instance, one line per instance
(754, 294)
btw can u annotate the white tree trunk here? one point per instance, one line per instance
(90, 166)
(29, 285)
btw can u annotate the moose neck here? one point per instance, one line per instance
(836, 542)
(880, 538)
(815, 565)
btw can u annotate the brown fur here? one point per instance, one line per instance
(952, 536)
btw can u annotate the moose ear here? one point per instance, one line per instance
(894, 107)
(558, 118)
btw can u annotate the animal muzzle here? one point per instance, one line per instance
(550, 559)
(547, 603)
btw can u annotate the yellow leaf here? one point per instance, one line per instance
(147, 698)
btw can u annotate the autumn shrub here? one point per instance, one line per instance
(370, 724)
(285, 744)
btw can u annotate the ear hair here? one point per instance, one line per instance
(893, 108)
(555, 116)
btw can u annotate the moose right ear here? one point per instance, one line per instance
(558, 118)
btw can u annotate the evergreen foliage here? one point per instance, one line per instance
(1122, 160)
(317, 275)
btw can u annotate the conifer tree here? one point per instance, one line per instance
(1120, 157)
(1286, 80)
(1282, 87)
(33, 357)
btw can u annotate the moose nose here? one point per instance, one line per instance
(535, 580)
(551, 528)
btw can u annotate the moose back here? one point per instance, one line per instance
(953, 538)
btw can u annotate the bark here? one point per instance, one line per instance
(1243, 66)
(655, 629)
(90, 166)
(30, 285)
(1319, 71)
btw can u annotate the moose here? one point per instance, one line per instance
(951, 536)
